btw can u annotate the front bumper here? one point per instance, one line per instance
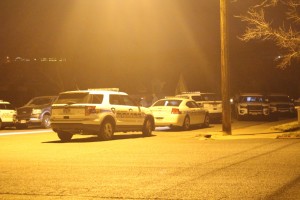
(29, 120)
(263, 112)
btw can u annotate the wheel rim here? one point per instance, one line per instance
(47, 122)
(107, 130)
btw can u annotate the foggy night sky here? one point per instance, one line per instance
(121, 43)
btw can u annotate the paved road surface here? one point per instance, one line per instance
(168, 165)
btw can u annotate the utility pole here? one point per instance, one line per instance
(226, 114)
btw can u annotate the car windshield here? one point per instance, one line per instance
(279, 99)
(72, 98)
(40, 101)
(168, 102)
(251, 99)
(210, 97)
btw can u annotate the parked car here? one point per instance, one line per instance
(36, 112)
(281, 105)
(98, 112)
(209, 101)
(251, 104)
(7, 114)
(179, 112)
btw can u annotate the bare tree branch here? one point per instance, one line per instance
(286, 39)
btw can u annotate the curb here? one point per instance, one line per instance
(289, 136)
(221, 136)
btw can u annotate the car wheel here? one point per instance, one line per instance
(186, 123)
(46, 123)
(148, 127)
(206, 121)
(64, 136)
(106, 130)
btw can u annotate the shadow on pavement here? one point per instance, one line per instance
(96, 139)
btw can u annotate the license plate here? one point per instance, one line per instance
(283, 111)
(255, 113)
(23, 121)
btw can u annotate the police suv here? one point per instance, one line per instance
(98, 112)
(251, 104)
(7, 114)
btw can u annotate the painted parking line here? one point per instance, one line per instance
(24, 132)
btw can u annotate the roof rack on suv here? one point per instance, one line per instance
(176, 97)
(192, 92)
(105, 89)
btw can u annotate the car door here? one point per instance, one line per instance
(127, 113)
(120, 111)
(195, 112)
(201, 112)
(135, 114)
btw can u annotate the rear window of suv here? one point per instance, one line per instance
(82, 97)
(211, 97)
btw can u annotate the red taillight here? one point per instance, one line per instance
(175, 111)
(90, 110)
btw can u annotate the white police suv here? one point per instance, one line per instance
(251, 104)
(7, 114)
(209, 101)
(98, 112)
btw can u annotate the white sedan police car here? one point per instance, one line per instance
(179, 112)
(7, 114)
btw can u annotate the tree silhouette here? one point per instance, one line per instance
(285, 36)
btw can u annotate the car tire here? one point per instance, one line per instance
(206, 121)
(106, 130)
(186, 123)
(148, 127)
(46, 123)
(64, 136)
